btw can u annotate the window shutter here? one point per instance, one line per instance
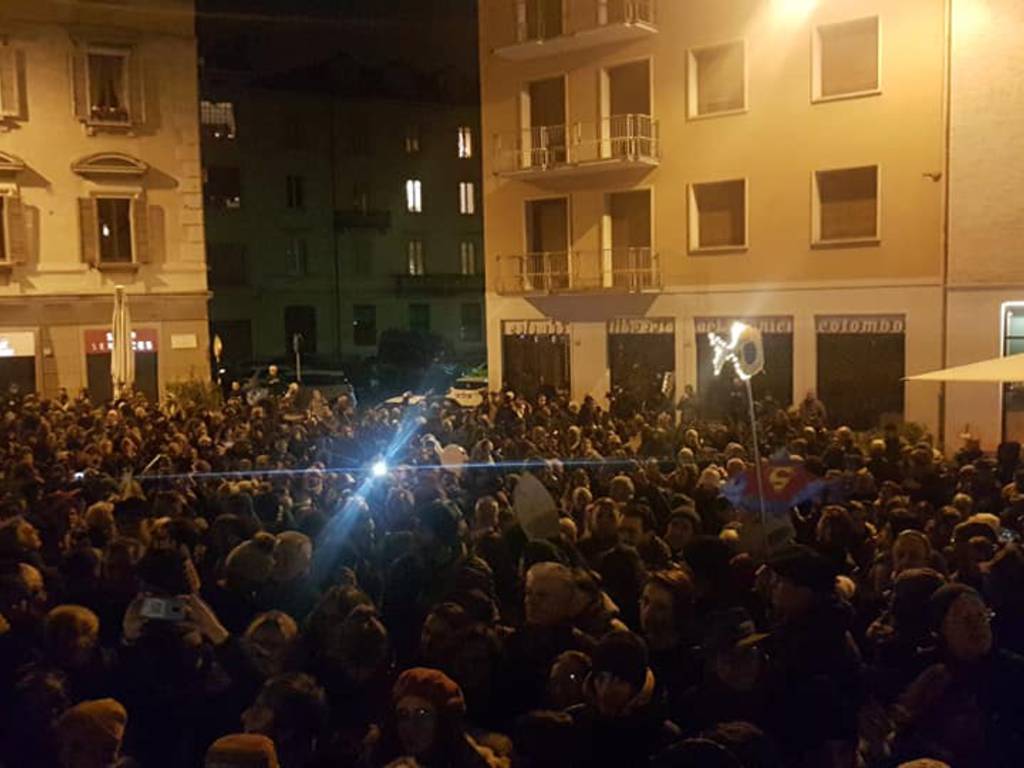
(16, 240)
(136, 89)
(10, 96)
(89, 228)
(80, 83)
(140, 231)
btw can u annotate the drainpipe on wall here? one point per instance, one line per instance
(947, 121)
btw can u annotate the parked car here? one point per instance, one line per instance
(468, 391)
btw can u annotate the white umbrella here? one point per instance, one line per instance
(1008, 369)
(122, 356)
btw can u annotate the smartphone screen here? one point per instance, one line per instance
(163, 608)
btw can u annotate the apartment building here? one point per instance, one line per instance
(342, 200)
(655, 170)
(986, 264)
(99, 186)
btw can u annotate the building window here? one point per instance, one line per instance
(300, 322)
(226, 264)
(471, 326)
(12, 229)
(1013, 394)
(114, 220)
(718, 215)
(364, 325)
(717, 80)
(846, 59)
(467, 198)
(845, 205)
(362, 257)
(296, 256)
(361, 196)
(465, 142)
(412, 139)
(295, 192)
(419, 317)
(107, 79)
(467, 257)
(415, 253)
(414, 196)
(359, 137)
(10, 89)
(217, 119)
(222, 187)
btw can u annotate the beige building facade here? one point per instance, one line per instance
(100, 185)
(655, 170)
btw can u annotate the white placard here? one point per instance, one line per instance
(184, 341)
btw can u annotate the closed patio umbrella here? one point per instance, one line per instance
(122, 356)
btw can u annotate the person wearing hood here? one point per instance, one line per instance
(814, 671)
(425, 722)
(89, 735)
(965, 708)
(621, 723)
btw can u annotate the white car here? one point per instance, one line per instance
(468, 391)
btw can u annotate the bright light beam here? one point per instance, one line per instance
(379, 468)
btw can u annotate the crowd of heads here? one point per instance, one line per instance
(197, 584)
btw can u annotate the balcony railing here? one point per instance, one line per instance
(443, 284)
(626, 269)
(548, 27)
(358, 218)
(614, 142)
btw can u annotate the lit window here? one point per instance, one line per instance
(412, 139)
(846, 57)
(465, 141)
(295, 192)
(217, 119)
(114, 222)
(108, 85)
(716, 80)
(415, 254)
(414, 196)
(467, 257)
(718, 215)
(467, 198)
(845, 205)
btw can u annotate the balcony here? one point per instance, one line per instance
(616, 270)
(615, 143)
(551, 27)
(450, 284)
(358, 218)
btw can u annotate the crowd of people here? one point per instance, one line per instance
(191, 584)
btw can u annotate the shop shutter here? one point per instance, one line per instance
(80, 83)
(10, 95)
(136, 89)
(140, 231)
(16, 239)
(89, 229)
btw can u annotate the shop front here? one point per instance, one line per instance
(642, 357)
(98, 343)
(535, 356)
(1013, 394)
(724, 396)
(17, 362)
(861, 365)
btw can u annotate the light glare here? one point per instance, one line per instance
(379, 469)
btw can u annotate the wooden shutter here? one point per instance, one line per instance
(140, 231)
(89, 228)
(16, 240)
(80, 82)
(10, 91)
(136, 88)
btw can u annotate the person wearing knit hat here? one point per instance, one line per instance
(90, 734)
(242, 750)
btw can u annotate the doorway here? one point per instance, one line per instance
(547, 244)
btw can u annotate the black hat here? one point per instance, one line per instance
(622, 654)
(805, 567)
(731, 628)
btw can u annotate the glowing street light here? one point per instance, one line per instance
(379, 468)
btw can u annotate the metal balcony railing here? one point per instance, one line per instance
(538, 20)
(630, 269)
(629, 139)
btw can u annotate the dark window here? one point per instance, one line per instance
(419, 317)
(223, 186)
(534, 363)
(364, 325)
(725, 396)
(362, 257)
(860, 377)
(296, 256)
(114, 220)
(226, 263)
(300, 320)
(1013, 394)
(108, 101)
(295, 193)
(472, 322)
(236, 336)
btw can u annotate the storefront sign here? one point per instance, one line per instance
(723, 325)
(637, 326)
(100, 342)
(17, 344)
(860, 324)
(184, 341)
(543, 327)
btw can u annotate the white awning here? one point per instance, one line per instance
(1000, 369)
